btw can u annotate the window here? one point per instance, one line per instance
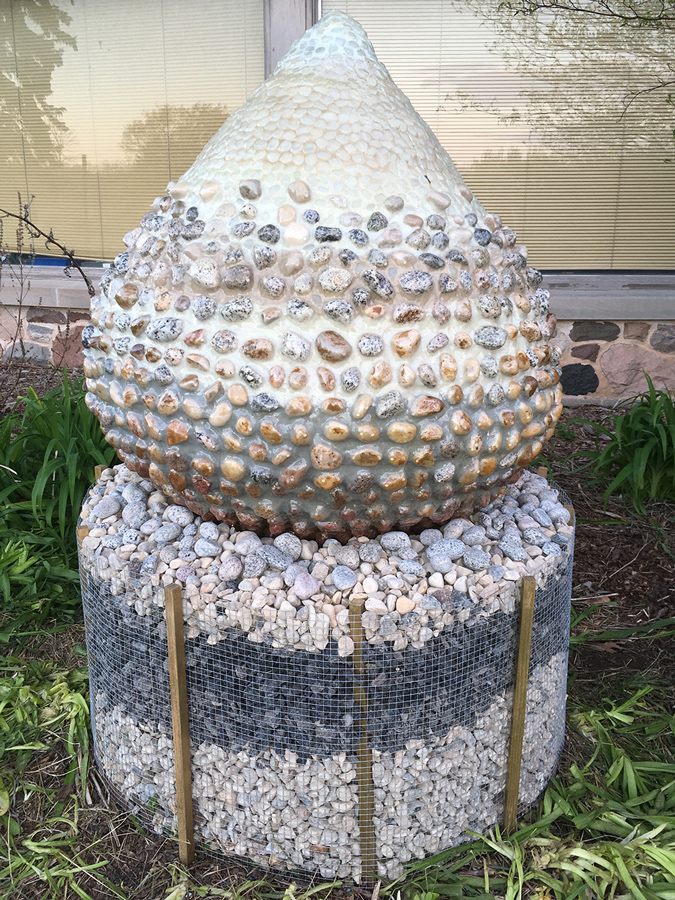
(556, 123)
(560, 125)
(102, 103)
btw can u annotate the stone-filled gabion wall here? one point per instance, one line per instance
(274, 687)
(319, 329)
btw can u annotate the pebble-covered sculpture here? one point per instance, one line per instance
(319, 329)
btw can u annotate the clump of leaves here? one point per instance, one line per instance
(636, 455)
(49, 448)
(48, 453)
(44, 717)
(35, 585)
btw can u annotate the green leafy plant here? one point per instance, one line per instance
(48, 453)
(33, 586)
(637, 455)
(49, 448)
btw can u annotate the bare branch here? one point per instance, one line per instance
(633, 97)
(628, 13)
(50, 241)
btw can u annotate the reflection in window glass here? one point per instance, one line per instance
(101, 104)
(558, 123)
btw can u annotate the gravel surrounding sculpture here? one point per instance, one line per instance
(319, 329)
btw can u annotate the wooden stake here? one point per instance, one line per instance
(98, 471)
(173, 601)
(543, 471)
(364, 754)
(519, 704)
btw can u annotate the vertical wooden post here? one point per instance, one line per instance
(543, 471)
(519, 704)
(98, 471)
(364, 754)
(173, 602)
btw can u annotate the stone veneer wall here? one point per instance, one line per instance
(49, 336)
(607, 359)
(600, 359)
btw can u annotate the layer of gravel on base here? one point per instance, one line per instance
(291, 593)
(243, 694)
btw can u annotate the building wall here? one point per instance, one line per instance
(608, 358)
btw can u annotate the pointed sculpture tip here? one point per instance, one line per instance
(335, 34)
(337, 16)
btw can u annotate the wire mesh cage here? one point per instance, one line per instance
(382, 740)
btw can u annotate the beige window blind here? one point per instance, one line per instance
(557, 123)
(102, 103)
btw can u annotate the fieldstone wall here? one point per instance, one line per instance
(608, 359)
(45, 336)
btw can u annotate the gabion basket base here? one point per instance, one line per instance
(286, 733)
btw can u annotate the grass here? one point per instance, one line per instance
(49, 447)
(43, 711)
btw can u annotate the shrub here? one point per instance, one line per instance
(49, 448)
(637, 454)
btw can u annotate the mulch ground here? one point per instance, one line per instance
(624, 564)
(16, 378)
(624, 571)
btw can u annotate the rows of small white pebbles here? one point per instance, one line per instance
(285, 814)
(287, 592)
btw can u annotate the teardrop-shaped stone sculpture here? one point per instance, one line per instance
(319, 328)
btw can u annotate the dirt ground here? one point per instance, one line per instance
(624, 566)
(15, 379)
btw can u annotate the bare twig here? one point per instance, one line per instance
(50, 242)
(656, 87)
(627, 13)
(612, 574)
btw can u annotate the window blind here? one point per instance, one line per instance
(101, 104)
(558, 123)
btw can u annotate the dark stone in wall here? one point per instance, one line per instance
(46, 316)
(79, 315)
(577, 379)
(586, 351)
(41, 333)
(636, 331)
(594, 331)
(37, 354)
(663, 339)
